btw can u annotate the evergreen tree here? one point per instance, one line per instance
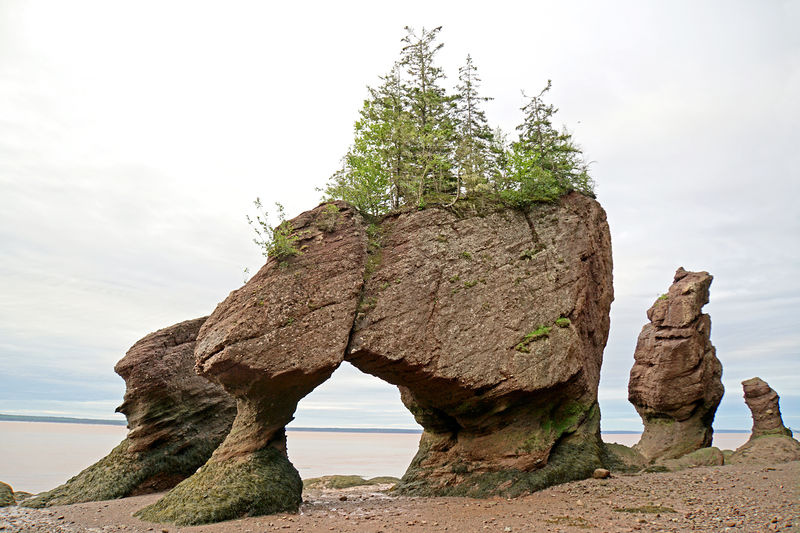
(414, 144)
(544, 163)
(374, 175)
(430, 114)
(473, 151)
(398, 134)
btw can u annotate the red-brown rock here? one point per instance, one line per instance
(451, 315)
(765, 408)
(269, 344)
(491, 323)
(675, 383)
(770, 441)
(175, 420)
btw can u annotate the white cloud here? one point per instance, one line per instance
(134, 138)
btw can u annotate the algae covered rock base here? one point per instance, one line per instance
(175, 419)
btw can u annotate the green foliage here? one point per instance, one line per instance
(544, 163)
(327, 219)
(276, 242)
(663, 297)
(528, 254)
(415, 145)
(539, 333)
(563, 322)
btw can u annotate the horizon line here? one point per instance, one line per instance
(111, 422)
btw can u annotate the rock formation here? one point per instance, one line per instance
(675, 383)
(269, 344)
(491, 323)
(175, 420)
(494, 328)
(770, 441)
(6, 495)
(764, 406)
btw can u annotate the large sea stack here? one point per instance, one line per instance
(492, 323)
(175, 420)
(675, 383)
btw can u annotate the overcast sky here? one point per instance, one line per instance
(134, 137)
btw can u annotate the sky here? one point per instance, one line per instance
(134, 138)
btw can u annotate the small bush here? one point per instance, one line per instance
(327, 219)
(563, 322)
(276, 242)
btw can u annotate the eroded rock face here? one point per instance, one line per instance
(175, 419)
(767, 449)
(764, 406)
(269, 344)
(770, 441)
(493, 327)
(6, 495)
(675, 383)
(492, 324)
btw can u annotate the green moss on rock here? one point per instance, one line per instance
(621, 458)
(701, 457)
(264, 482)
(344, 482)
(575, 457)
(6, 495)
(121, 473)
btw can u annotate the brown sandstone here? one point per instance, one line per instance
(770, 441)
(764, 406)
(493, 326)
(491, 323)
(675, 383)
(175, 420)
(269, 344)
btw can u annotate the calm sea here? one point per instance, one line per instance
(37, 456)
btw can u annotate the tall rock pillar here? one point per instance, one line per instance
(675, 382)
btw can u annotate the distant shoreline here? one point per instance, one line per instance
(95, 421)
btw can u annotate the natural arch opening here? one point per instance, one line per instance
(352, 424)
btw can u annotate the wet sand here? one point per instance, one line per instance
(734, 498)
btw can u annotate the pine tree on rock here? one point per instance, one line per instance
(415, 145)
(430, 111)
(374, 176)
(474, 137)
(544, 163)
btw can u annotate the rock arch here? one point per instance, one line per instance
(491, 323)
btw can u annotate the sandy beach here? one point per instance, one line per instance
(727, 498)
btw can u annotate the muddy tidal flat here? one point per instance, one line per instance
(726, 498)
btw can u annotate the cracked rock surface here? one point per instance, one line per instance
(675, 383)
(492, 322)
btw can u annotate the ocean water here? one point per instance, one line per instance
(38, 456)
